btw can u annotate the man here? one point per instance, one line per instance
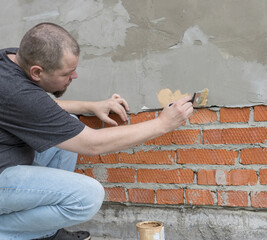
(38, 197)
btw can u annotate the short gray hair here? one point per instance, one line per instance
(44, 45)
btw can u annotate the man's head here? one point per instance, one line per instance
(49, 56)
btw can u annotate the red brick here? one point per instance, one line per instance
(80, 171)
(263, 176)
(116, 194)
(170, 196)
(117, 119)
(235, 177)
(89, 172)
(203, 116)
(199, 197)
(233, 198)
(107, 159)
(260, 113)
(141, 117)
(254, 156)
(206, 177)
(239, 177)
(149, 157)
(234, 115)
(118, 175)
(259, 199)
(182, 137)
(137, 195)
(206, 156)
(165, 176)
(91, 121)
(235, 135)
(165, 139)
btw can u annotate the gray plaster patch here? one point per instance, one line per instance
(136, 48)
(220, 177)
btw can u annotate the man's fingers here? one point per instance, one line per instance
(115, 95)
(110, 121)
(184, 100)
(119, 109)
(121, 101)
(125, 104)
(122, 113)
(188, 106)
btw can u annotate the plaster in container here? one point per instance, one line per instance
(150, 230)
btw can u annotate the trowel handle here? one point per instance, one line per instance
(192, 100)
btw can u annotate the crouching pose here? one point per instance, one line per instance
(40, 195)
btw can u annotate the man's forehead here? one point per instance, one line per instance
(69, 60)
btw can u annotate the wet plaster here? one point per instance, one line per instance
(137, 48)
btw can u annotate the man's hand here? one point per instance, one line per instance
(114, 104)
(175, 115)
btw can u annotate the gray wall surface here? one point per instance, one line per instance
(118, 222)
(139, 47)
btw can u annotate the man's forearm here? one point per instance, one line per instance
(106, 140)
(76, 107)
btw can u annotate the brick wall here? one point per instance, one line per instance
(218, 158)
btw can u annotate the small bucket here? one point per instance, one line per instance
(150, 230)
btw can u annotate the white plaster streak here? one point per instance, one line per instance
(256, 74)
(171, 158)
(107, 29)
(224, 198)
(100, 174)
(158, 20)
(45, 15)
(220, 177)
(80, 10)
(193, 34)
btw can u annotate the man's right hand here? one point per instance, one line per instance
(175, 115)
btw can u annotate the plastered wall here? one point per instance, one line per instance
(139, 47)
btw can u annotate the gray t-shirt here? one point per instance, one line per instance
(29, 118)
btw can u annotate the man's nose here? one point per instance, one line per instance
(74, 75)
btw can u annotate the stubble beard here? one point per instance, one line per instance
(59, 94)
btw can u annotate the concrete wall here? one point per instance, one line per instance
(139, 47)
(117, 222)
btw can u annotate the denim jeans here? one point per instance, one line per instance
(37, 200)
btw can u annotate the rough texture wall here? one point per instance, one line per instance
(217, 158)
(139, 47)
(117, 222)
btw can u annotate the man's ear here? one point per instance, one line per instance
(35, 73)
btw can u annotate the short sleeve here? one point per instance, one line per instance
(35, 118)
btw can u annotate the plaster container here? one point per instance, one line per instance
(150, 230)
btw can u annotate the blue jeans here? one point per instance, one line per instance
(36, 201)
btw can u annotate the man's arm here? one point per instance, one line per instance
(94, 142)
(101, 109)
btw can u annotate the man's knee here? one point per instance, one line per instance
(92, 196)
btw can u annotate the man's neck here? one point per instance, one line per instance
(13, 58)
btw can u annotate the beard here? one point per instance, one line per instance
(58, 94)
